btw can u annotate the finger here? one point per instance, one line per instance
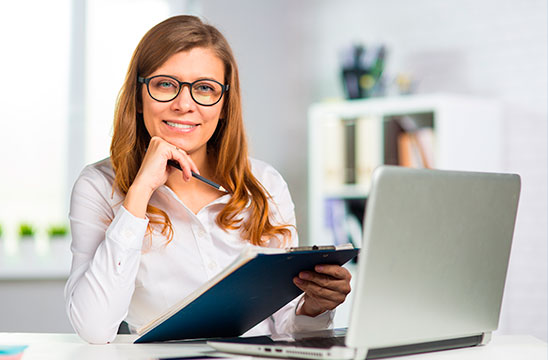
(321, 294)
(320, 279)
(341, 286)
(336, 271)
(153, 164)
(326, 281)
(183, 167)
(299, 283)
(318, 291)
(189, 160)
(314, 307)
(193, 166)
(185, 163)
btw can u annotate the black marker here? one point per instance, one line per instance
(176, 165)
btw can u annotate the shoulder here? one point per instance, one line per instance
(283, 208)
(273, 182)
(96, 178)
(99, 172)
(268, 176)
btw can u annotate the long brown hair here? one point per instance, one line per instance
(227, 147)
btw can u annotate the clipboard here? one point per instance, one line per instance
(256, 285)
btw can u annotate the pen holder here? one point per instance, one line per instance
(362, 71)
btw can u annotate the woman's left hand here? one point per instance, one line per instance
(324, 289)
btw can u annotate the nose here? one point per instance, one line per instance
(183, 101)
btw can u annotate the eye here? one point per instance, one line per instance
(164, 83)
(206, 87)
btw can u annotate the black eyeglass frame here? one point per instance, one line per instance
(224, 88)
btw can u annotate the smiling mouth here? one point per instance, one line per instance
(180, 126)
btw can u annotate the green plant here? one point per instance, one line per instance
(1, 230)
(26, 229)
(57, 230)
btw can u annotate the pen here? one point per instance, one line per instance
(176, 165)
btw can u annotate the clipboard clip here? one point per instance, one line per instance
(312, 248)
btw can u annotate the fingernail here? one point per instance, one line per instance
(319, 268)
(299, 281)
(305, 276)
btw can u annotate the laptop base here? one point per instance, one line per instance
(426, 347)
(310, 348)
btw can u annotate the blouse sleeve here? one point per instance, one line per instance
(285, 320)
(106, 250)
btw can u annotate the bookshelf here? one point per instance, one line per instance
(348, 139)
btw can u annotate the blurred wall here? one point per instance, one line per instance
(287, 53)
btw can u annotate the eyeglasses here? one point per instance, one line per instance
(164, 88)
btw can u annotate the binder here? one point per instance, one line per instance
(256, 285)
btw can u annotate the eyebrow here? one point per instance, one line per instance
(197, 79)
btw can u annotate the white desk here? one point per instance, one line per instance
(70, 346)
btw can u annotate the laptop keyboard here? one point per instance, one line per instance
(315, 342)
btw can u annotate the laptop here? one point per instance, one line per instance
(430, 274)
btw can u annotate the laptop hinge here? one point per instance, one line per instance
(417, 348)
(486, 338)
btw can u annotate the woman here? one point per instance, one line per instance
(146, 234)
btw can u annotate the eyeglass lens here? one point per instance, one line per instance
(205, 92)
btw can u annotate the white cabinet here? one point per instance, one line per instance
(348, 139)
(35, 259)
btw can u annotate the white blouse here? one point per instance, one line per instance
(119, 273)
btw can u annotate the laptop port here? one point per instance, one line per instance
(267, 349)
(278, 350)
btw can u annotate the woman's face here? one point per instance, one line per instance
(181, 121)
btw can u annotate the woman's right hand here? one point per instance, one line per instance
(154, 172)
